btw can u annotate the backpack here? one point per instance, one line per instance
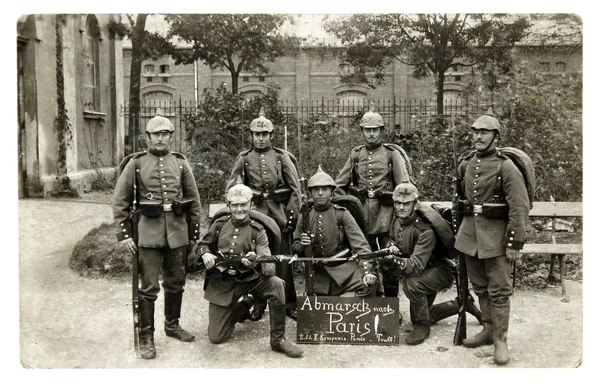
(389, 146)
(439, 219)
(521, 160)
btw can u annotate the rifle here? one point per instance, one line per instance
(462, 284)
(304, 211)
(135, 289)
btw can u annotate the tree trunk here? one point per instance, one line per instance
(440, 93)
(234, 82)
(137, 43)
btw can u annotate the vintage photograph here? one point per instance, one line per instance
(300, 191)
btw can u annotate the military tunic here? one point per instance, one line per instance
(484, 240)
(223, 291)
(373, 172)
(423, 275)
(329, 239)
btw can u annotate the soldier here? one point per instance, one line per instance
(424, 273)
(371, 173)
(239, 234)
(168, 225)
(273, 178)
(495, 205)
(333, 229)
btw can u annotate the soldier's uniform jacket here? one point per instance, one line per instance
(263, 170)
(416, 241)
(373, 171)
(161, 177)
(228, 236)
(489, 237)
(332, 235)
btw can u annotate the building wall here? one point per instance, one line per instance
(94, 145)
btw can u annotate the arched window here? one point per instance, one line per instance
(560, 66)
(544, 67)
(91, 73)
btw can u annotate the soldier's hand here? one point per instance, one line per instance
(246, 260)
(394, 250)
(369, 279)
(305, 240)
(512, 254)
(130, 245)
(268, 269)
(209, 260)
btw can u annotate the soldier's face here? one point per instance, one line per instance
(372, 135)
(404, 209)
(261, 140)
(321, 194)
(160, 140)
(240, 210)
(482, 139)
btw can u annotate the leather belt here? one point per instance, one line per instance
(472, 209)
(371, 193)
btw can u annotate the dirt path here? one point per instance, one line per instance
(67, 321)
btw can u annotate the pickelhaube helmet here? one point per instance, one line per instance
(405, 192)
(261, 124)
(159, 123)
(371, 119)
(320, 178)
(487, 122)
(239, 194)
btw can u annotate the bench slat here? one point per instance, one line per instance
(540, 208)
(550, 249)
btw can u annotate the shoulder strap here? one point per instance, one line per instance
(178, 155)
(354, 170)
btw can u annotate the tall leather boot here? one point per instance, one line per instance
(500, 321)
(419, 314)
(172, 314)
(443, 310)
(147, 350)
(278, 341)
(485, 336)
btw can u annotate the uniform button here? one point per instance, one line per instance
(235, 237)
(161, 165)
(231, 251)
(370, 171)
(477, 168)
(267, 185)
(160, 159)
(126, 236)
(475, 191)
(235, 230)
(476, 175)
(510, 244)
(370, 152)
(262, 155)
(400, 242)
(264, 172)
(475, 198)
(478, 160)
(319, 229)
(370, 183)
(320, 222)
(264, 166)
(164, 192)
(164, 186)
(162, 172)
(370, 165)
(474, 182)
(320, 215)
(510, 238)
(476, 214)
(233, 244)
(370, 158)
(162, 179)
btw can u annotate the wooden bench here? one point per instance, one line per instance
(553, 211)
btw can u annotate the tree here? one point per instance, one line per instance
(430, 43)
(144, 45)
(236, 42)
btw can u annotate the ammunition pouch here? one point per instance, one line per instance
(182, 205)
(361, 194)
(385, 198)
(257, 196)
(282, 194)
(150, 208)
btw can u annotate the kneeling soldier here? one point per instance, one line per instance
(424, 275)
(239, 234)
(334, 229)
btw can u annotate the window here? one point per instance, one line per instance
(164, 68)
(544, 67)
(165, 80)
(149, 79)
(346, 69)
(261, 78)
(560, 66)
(149, 69)
(246, 78)
(455, 67)
(90, 53)
(457, 78)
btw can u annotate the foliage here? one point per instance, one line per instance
(430, 43)
(236, 42)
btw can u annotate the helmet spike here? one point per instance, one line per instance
(262, 112)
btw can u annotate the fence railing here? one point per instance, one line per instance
(402, 116)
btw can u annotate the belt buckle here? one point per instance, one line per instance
(478, 209)
(231, 272)
(371, 194)
(265, 195)
(167, 207)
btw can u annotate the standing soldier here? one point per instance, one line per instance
(425, 274)
(494, 202)
(169, 223)
(334, 229)
(273, 178)
(371, 173)
(238, 234)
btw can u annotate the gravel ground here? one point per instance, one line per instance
(71, 322)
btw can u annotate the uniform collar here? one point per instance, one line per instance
(323, 208)
(158, 153)
(407, 221)
(373, 147)
(487, 152)
(266, 149)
